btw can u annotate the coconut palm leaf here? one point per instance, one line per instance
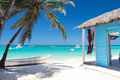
(3, 6)
(27, 22)
(32, 10)
(5, 9)
(57, 24)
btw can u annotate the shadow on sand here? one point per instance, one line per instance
(115, 64)
(39, 71)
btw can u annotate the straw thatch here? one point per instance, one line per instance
(102, 19)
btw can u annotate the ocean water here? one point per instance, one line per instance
(48, 50)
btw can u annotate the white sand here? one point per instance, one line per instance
(68, 69)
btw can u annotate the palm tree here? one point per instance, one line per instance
(32, 9)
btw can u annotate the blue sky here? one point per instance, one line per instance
(44, 34)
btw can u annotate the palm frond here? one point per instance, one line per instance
(27, 22)
(64, 33)
(1, 25)
(32, 10)
(57, 24)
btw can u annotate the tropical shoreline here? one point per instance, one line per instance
(42, 59)
(50, 68)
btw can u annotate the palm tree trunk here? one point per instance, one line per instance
(2, 61)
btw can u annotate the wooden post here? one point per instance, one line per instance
(83, 46)
(95, 43)
(109, 44)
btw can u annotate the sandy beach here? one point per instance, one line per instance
(53, 69)
(59, 39)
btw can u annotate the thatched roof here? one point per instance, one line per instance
(102, 19)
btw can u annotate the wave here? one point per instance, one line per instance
(72, 49)
(17, 47)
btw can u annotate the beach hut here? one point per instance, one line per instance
(105, 28)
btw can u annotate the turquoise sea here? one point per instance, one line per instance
(48, 50)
